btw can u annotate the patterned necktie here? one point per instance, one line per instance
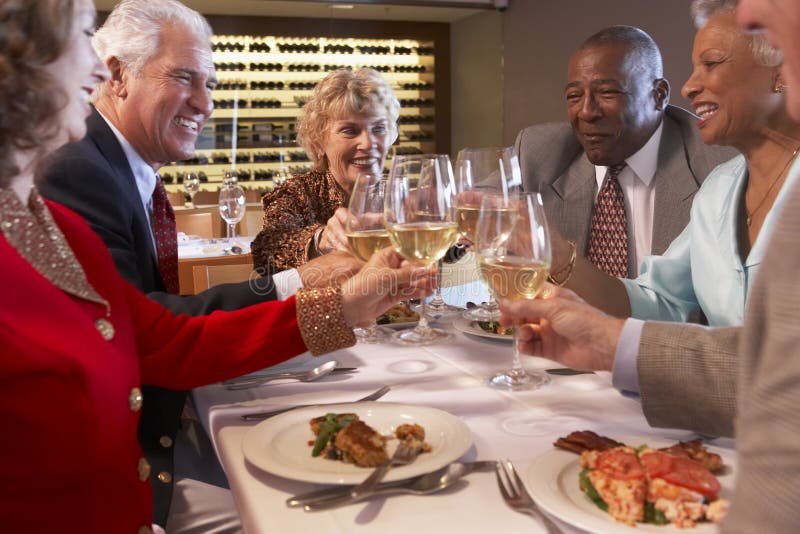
(166, 235)
(608, 240)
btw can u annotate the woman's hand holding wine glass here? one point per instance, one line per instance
(366, 232)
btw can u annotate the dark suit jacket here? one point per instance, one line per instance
(554, 163)
(92, 177)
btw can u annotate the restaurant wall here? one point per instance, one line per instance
(540, 36)
(476, 77)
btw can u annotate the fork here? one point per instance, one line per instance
(517, 497)
(404, 454)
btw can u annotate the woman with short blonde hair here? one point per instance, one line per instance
(347, 127)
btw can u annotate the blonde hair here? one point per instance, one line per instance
(344, 93)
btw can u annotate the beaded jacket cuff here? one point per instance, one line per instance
(321, 320)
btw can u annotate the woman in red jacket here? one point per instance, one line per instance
(76, 340)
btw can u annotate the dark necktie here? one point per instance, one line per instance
(608, 240)
(166, 236)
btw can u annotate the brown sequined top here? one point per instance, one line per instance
(293, 212)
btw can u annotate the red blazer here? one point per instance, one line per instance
(68, 451)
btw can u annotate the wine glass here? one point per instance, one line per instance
(420, 219)
(191, 183)
(478, 171)
(232, 202)
(512, 246)
(366, 232)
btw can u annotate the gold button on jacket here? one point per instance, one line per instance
(165, 477)
(105, 328)
(144, 469)
(135, 399)
(165, 441)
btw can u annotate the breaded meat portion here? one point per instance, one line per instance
(361, 445)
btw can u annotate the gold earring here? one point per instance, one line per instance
(779, 88)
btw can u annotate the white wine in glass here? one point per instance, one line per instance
(480, 171)
(420, 218)
(366, 233)
(512, 246)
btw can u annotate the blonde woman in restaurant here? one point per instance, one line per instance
(737, 91)
(346, 128)
(77, 341)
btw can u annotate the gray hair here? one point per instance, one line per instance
(639, 44)
(344, 93)
(132, 32)
(764, 53)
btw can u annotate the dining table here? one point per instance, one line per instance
(450, 376)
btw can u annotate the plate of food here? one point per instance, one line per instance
(359, 437)
(635, 485)
(398, 316)
(489, 329)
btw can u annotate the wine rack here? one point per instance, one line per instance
(264, 81)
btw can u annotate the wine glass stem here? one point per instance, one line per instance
(230, 231)
(438, 301)
(516, 364)
(422, 326)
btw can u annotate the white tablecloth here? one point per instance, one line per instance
(449, 376)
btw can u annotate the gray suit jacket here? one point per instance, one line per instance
(554, 163)
(687, 376)
(767, 495)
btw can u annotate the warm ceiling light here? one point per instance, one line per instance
(342, 6)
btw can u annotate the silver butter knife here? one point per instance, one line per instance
(328, 498)
(258, 416)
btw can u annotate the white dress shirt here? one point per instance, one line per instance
(636, 180)
(286, 282)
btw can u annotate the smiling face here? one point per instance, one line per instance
(78, 70)
(781, 21)
(613, 105)
(162, 109)
(354, 145)
(732, 94)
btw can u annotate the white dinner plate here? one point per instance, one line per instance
(553, 483)
(470, 327)
(280, 445)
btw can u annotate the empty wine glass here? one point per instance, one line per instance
(232, 202)
(513, 250)
(366, 232)
(479, 171)
(420, 219)
(191, 184)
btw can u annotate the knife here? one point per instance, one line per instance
(421, 485)
(256, 377)
(258, 416)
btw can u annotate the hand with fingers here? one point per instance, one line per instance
(333, 234)
(563, 327)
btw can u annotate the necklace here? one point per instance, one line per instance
(749, 214)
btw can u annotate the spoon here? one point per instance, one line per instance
(235, 249)
(303, 376)
(422, 485)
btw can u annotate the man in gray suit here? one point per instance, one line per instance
(617, 105)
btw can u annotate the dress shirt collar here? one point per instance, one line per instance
(143, 173)
(643, 163)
